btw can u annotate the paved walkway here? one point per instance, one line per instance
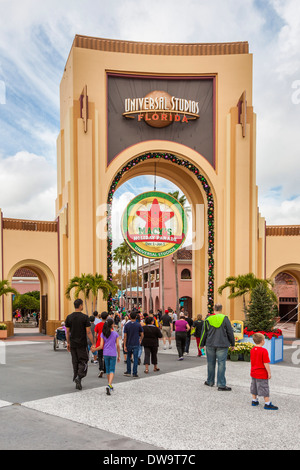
(33, 334)
(169, 410)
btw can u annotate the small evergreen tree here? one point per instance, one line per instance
(261, 311)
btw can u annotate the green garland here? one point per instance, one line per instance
(210, 215)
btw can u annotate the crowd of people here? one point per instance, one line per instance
(19, 316)
(100, 335)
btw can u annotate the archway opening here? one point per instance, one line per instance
(287, 291)
(186, 274)
(188, 178)
(290, 321)
(26, 306)
(144, 275)
(47, 298)
(187, 304)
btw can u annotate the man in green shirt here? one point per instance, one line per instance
(217, 335)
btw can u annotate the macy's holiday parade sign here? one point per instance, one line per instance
(154, 224)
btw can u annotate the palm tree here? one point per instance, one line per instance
(137, 280)
(244, 284)
(182, 200)
(5, 288)
(143, 285)
(119, 259)
(80, 284)
(128, 259)
(97, 282)
(150, 283)
(163, 285)
(90, 283)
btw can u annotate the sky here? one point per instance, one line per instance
(35, 40)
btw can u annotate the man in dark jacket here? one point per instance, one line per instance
(150, 342)
(78, 331)
(217, 335)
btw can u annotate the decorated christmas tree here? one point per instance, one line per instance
(261, 311)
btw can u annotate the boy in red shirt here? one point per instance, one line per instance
(97, 331)
(260, 372)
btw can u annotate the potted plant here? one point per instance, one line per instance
(233, 353)
(261, 319)
(240, 352)
(3, 331)
(246, 349)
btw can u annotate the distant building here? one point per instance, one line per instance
(286, 290)
(164, 297)
(24, 280)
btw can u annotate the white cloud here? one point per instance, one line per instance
(118, 206)
(285, 212)
(278, 147)
(2, 92)
(289, 36)
(27, 187)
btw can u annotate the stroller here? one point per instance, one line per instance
(59, 338)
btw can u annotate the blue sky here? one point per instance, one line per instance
(35, 40)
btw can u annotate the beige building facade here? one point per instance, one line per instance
(180, 111)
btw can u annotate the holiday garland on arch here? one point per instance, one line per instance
(210, 215)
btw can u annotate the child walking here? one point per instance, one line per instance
(260, 372)
(111, 351)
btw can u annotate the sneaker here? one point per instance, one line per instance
(255, 402)
(180, 359)
(270, 407)
(208, 384)
(224, 389)
(100, 375)
(165, 347)
(78, 383)
(170, 347)
(127, 374)
(135, 376)
(107, 390)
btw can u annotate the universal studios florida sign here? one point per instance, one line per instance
(159, 109)
(154, 224)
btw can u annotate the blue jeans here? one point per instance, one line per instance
(110, 364)
(135, 351)
(215, 355)
(187, 343)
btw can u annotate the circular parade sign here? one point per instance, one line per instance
(154, 224)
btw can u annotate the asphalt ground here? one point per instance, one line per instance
(40, 409)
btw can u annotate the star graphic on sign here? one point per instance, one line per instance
(155, 218)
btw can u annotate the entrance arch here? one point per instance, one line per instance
(293, 270)
(198, 191)
(187, 303)
(286, 289)
(47, 291)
